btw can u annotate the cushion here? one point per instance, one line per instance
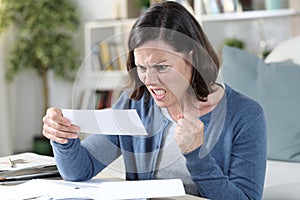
(279, 95)
(288, 49)
(239, 69)
(276, 86)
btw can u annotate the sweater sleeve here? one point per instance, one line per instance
(79, 161)
(82, 160)
(245, 176)
(71, 158)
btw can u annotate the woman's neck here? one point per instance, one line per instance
(191, 104)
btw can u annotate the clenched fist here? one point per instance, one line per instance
(189, 133)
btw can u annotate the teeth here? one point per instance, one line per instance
(159, 92)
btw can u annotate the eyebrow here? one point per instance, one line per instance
(158, 63)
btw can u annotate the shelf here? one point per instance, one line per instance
(248, 15)
(106, 80)
(109, 23)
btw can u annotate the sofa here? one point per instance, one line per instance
(275, 84)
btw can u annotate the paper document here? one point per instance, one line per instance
(25, 166)
(94, 189)
(25, 161)
(106, 121)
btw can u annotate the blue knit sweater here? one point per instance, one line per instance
(229, 165)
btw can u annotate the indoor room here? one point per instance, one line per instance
(72, 55)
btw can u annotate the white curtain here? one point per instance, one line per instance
(6, 136)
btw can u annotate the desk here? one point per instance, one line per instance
(187, 197)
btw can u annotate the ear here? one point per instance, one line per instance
(189, 58)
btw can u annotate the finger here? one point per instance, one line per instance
(189, 125)
(194, 119)
(53, 138)
(184, 141)
(184, 123)
(55, 119)
(60, 133)
(58, 136)
(71, 128)
(56, 115)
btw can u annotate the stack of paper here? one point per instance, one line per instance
(25, 166)
(94, 189)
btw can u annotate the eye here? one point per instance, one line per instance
(141, 69)
(162, 68)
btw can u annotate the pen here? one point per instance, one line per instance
(11, 163)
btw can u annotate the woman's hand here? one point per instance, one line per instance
(58, 128)
(189, 133)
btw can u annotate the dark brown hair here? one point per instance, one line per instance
(172, 23)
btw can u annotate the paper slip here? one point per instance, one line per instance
(94, 189)
(106, 121)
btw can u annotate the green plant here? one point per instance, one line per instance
(142, 3)
(44, 38)
(234, 42)
(264, 53)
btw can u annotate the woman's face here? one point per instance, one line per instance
(165, 73)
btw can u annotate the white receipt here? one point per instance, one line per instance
(106, 121)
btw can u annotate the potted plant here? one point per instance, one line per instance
(234, 42)
(142, 4)
(44, 38)
(43, 42)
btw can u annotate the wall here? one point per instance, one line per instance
(5, 127)
(250, 32)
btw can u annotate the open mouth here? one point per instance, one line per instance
(158, 92)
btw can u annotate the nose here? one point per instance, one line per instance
(150, 76)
